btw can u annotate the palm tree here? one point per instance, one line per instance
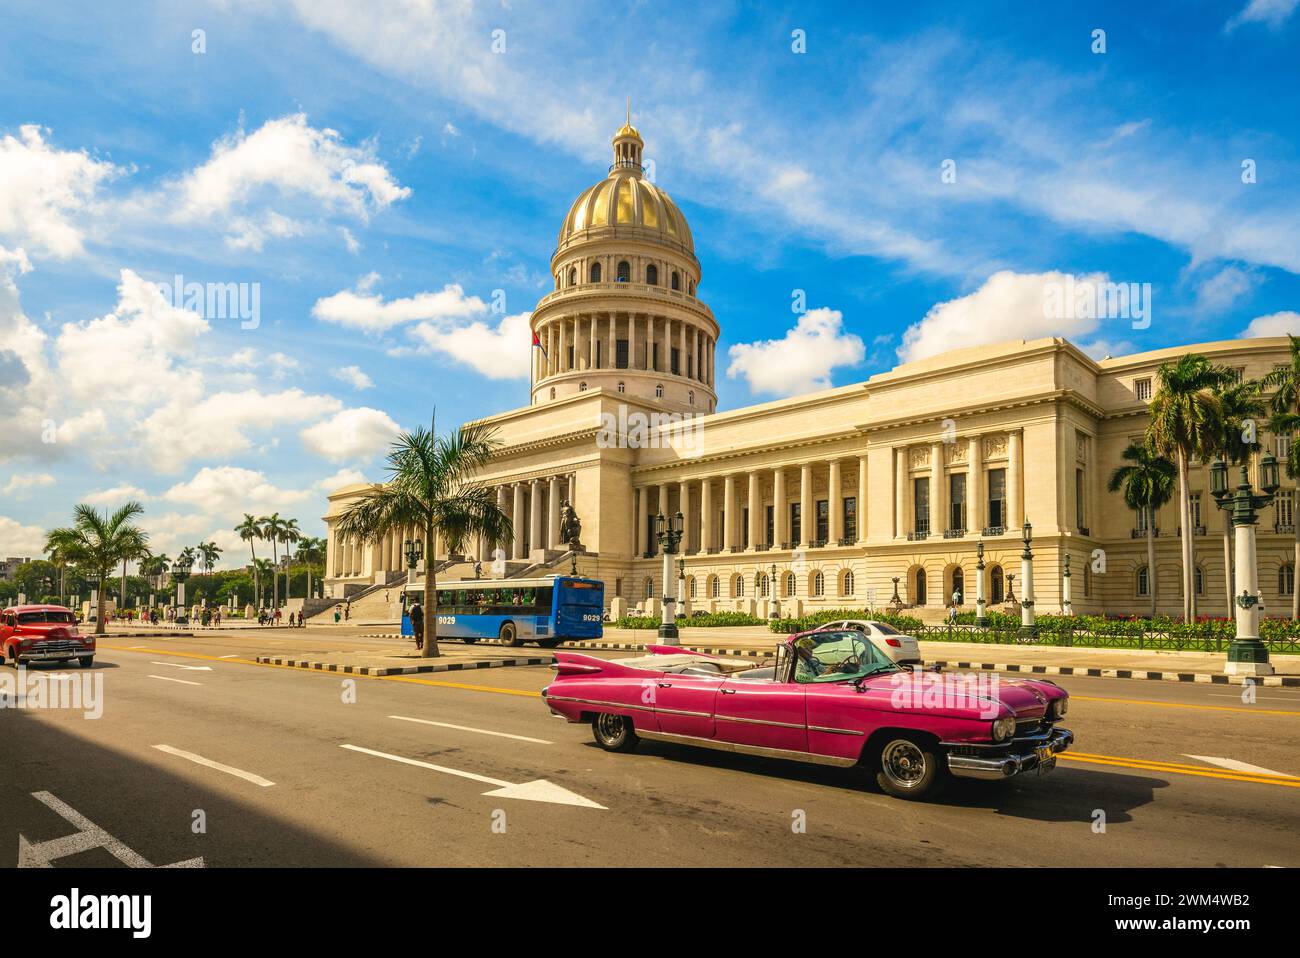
(272, 529)
(1235, 438)
(432, 486)
(310, 549)
(1285, 406)
(1183, 415)
(289, 535)
(261, 567)
(1147, 485)
(209, 553)
(250, 532)
(98, 542)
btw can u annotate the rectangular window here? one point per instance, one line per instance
(618, 587)
(823, 519)
(1196, 510)
(1283, 448)
(1142, 389)
(599, 344)
(620, 353)
(770, 530)
(796, 528)
(568, 354)
(744, 528)
(921, 506)
(957, 501)
(1080, 520)
(850, 509)
(1285, 506)
(998, 498)
(654, 357)
(676, 361)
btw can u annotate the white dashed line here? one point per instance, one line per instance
(466, 728)
(228, 769)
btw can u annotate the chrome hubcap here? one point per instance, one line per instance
(903, 763)
(610, 726)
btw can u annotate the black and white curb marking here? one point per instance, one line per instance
(404, 669)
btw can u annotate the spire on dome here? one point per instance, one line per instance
(627, 145)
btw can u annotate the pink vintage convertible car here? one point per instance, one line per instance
(829, 697)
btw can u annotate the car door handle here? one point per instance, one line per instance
(665, 685)
(727, 691)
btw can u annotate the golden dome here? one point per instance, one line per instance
(627, 129)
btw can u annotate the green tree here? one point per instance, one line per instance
(289, 535)
(272, 528)
(311, 551)
(432, 486)
(98, 542)
(209, 554)
(1285, 421)
(1184, 416)
(250, 530)
(1147, 483)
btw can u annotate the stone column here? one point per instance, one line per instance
(780, 509)
(612, 348)
(807, 522)
(728, 513)
(593, 351)
(536, 539)
(684, 504)
(663, 500)
(553, 514)
(503, 505)
(706, 515)
(938, 518)
(974, 497)
(631, 341)
(755, 506)
(834, 504)
(861, 531)
(642, 520)
(517, 520)
(1014, 515)
(902, 523)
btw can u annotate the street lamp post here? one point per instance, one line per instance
(681, 588)
(668, 530)
(414, 550)
(1066, 607)
(981, 604)
(1247, 655)
(774, 606)
(181, 572)
(1028, 628)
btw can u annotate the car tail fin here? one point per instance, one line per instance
(575, 663)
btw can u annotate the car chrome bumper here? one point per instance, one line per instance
(54, 656)
(1040, 758)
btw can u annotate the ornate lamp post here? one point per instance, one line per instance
(981, 604)
(1247, 655)
(414, 551)
(773, 607)
(180, 572)
(669, 533)
(681, 588)
(1028, 629)
(1066, 608)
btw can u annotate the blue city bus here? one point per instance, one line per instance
(547, 611)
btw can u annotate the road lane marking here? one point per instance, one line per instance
(235, 656)
(1175, 768)
(536, 791)
(1236, 766)
(1182, 705)
(181, 681)
(191, 668)
(466, 728)
(228, 769)
(87, 836)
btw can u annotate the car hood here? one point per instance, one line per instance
(1023, 697)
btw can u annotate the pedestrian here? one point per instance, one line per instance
(416, 612)
(347, 611)
(277, 616)
(338, 614)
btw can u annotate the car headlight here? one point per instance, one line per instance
(1060, 707)
(1003, 729)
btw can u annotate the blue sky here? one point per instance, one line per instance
(387, 173)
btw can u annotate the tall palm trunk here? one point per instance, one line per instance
(430, 598)
(1185, 535)
(1151, 558)
(275, 577)
(99, 601)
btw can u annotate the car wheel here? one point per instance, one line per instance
(510, 635)
(910, 768)
(614, 733)
(11, 656)
(86, 661)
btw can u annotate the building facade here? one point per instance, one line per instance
(821, 500)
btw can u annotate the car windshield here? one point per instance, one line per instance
(45, 616)
(884, 629)
(837, 657)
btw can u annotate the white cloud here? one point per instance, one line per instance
(1009, 306)
(344, 477)
(115, 496)
(359, 433)
(45, 191)
(1274, 324)
(354, 377)
(1271, 12)
(17, 539)
(358, 308)
(19, 486)
(227, 492)
(802, 360)
(1219, 292)
(502, 351)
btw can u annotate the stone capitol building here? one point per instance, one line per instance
(823, 500)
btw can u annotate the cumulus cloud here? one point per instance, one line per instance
(801, 361)
(115, 496)
(1272, 13)
(1219, 292)
(500, 351)
(1274, 324)
(344, 477)
(44, 191)
(354, 377)
(359, 308)
(359, 433)
(17, 539)
(229, 491)
(20, 486)
(1009, 306)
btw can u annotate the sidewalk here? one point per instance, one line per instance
(455, 657)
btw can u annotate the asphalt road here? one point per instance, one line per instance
(403, 771)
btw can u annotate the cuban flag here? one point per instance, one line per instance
(538, 343)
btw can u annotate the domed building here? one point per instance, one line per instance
(843, 498)
(624, 315)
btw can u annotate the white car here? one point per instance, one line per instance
(902, 649)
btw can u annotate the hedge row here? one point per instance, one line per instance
(704, 620)
(1203, 627)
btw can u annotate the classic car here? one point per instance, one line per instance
(43, 633)
(828, 697)
(903, 649)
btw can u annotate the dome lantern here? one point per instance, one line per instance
(627, 146)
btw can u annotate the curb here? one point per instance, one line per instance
(402, 669)
(148, 635)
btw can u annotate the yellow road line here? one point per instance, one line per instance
(1173, 768)
(1184, 705)
(415, 679)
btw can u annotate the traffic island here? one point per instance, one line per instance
(380, 664)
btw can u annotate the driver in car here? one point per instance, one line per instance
(811, 666)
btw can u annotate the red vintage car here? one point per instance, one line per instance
(43, 633)
(829, 697)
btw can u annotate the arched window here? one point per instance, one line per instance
(652, 275)
(738, 586)
(818, 585)
(920, 587)
(624, 271)
(959, 584)
(1286, 579)
(659, 391)
(649, 587)
(791, 583)
(691, 397)
(595, 272)
(997, 587)
(761, 585)
(715, 587)
(676, 281)
(573, 277)
(691, 587)
(846, 584)
(552, 392)
(582, 387)
(622, 388)
(1143, 581)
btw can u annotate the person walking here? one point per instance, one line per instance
(416, 612)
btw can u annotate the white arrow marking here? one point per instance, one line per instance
(1234, 765)
(190, 668)
(538, 791)
(88, 836)
(181, 681)
(228, 769)
(466, 728)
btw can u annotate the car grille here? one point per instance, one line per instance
(1033, 726)
(55, 646)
